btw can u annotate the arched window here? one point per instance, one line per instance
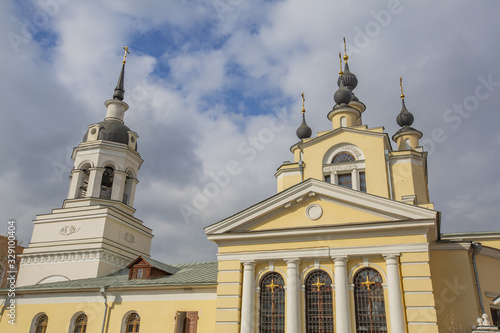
(107, 183)
(127, 192)
(41, 323)
(343, 157)
(84, 181)
(369, 302)
(81, 324)
(132, 323)
(319, 303)
(272, 304)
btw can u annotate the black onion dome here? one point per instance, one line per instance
(342, 95)
(112, 130)
(304, 131)
(350, 80)
(404, 118)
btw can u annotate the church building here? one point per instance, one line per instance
(350, 243)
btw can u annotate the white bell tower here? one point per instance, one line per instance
(95, 233)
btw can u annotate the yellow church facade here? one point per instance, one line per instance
(350, 243)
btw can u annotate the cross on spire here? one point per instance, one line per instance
(125, 55)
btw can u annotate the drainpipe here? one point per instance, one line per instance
(388, 162)
(103, 293)
(476, 248)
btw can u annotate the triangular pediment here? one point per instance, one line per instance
(315, 203)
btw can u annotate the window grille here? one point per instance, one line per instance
(369, 302)
(319, 303)
(343, 157)
(272, 304)
(133, 323)
(81, 323)
(362, 181)
(345, 180)
(41, 323)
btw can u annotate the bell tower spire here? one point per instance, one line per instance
(120, 89)
(95, 230)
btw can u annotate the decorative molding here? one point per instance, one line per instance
(128, 237)
(314, 212)
(68, 230)
(75, 256)
(345, 252)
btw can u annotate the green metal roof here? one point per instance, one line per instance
(204, 273)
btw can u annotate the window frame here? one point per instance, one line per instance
(277, 317)
(374, 294)
(326, 292)
(126, 322)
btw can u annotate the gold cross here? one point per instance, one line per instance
(272, 286)
(346, 57)
(401, 84)
(125, 56)
(303, 100)
(367, 283)
(318, 284)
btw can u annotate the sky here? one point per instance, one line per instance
(215, 85)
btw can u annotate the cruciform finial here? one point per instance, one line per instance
(303, 104)
(340, 59)
(401, 84)
(346, 57)
(125, 55)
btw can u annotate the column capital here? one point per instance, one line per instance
(391, 258)
(248, 263)
(291, 260)
(340, 259)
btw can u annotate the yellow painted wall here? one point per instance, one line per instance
(454, 287)
(156, 316)
(295, 217)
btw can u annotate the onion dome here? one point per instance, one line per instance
(342, 95)
(405, 117)
(350, 80)
(304, 131)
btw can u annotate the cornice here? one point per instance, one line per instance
(345, 252)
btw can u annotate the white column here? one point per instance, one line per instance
(74, 187)
(118, 185)
(355, 179)
(95, 179)
(395, 294)
(247, 298)
(132, 192)
(292, 297)
(342, 308)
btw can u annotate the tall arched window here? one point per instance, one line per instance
(319, 303)
(369, 302)
(132, 323)
(41, 323)
(107, 183)
(272, 304)
(81, 324)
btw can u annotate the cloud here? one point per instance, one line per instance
(214, 83)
